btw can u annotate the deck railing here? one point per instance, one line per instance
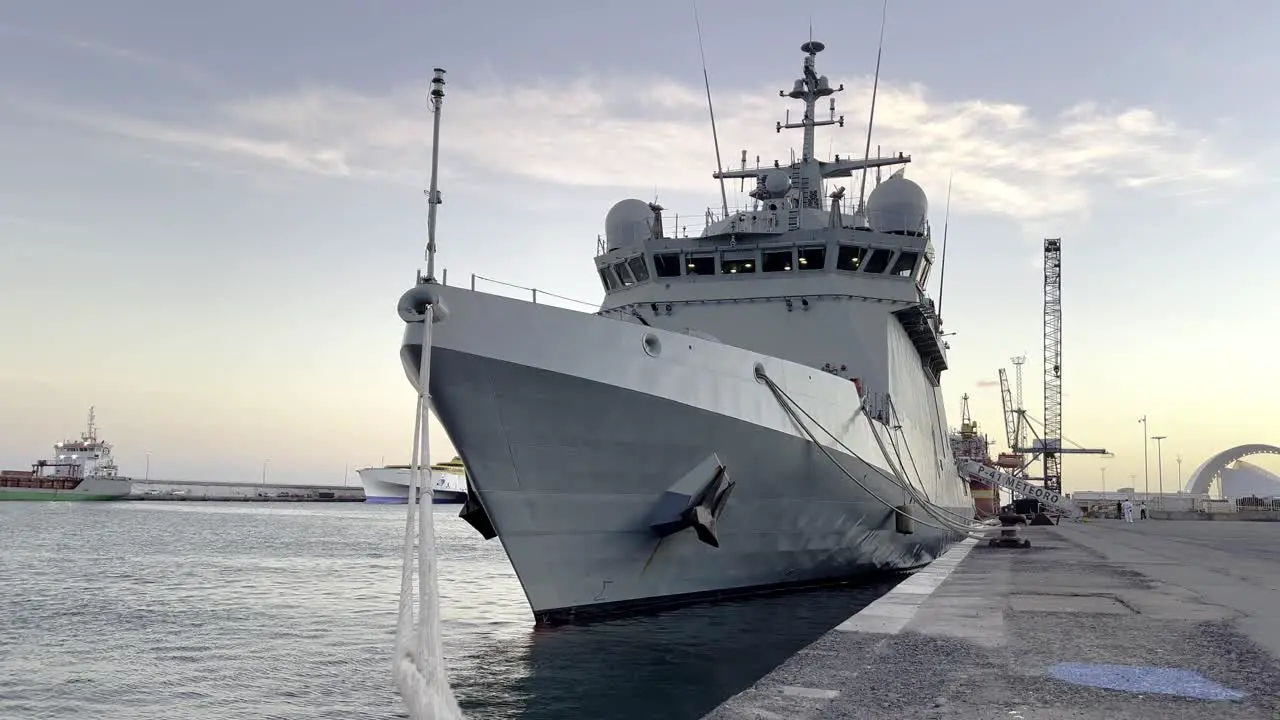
(534, 293)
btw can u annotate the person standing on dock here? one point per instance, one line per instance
(1143, 508)
(1127, 508)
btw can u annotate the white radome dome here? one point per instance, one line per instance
(628, 224)
(898, 206)
(777, 183)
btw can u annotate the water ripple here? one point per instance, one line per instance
(204, 611)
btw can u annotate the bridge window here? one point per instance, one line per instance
(609, 279)
(878, 261)
(700, 265)
(812, 258)
(639, 270)
(776, 261)
(905, 264)
(924, 274)
(850, 257)
(667, 264)
(737, 262)
(624, 274)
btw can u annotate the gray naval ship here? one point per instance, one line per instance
(749, 410)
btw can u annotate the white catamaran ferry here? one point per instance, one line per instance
(80, 469)
(755, 408)
(390, 483)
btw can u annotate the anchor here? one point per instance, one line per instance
(694, 501)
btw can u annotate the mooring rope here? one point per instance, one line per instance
(418, 665)
(793, 409)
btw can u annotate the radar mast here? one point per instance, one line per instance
(810, 88)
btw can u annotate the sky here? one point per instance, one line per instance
(209, 210)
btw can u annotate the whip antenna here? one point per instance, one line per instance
(724, 197)
(871, 121)
(942, 271)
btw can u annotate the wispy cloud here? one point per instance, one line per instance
(29, 223)
(986, 383)
(104, 50)
(642, 132)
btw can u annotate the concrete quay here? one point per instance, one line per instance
(176, 490)
(1236, 516)
(1104, 619)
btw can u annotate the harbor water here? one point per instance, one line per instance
(203, 611)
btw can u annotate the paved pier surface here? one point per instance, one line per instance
(1175, 620)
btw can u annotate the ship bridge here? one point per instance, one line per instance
(794, 250)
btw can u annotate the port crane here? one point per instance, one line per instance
(1048, 446)
(1051, 447)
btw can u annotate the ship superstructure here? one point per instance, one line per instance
(756, 407)
(841, 274)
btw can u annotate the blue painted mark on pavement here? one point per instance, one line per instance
(1138, 679)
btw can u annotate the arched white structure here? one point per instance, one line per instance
(1210, 469)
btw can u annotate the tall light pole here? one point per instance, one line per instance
(1160, 464)
(1104, 480)
(1180, 472)
(1146, 468)
(147, 476)
(264, 470)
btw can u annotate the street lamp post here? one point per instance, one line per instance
(264, 470)
(147, 474)
(1104, 480)
(1146, 469)
(1160, 465)
(1179, 472)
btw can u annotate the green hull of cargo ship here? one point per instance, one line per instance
(54, 496)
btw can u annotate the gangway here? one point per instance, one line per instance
(1019, 486)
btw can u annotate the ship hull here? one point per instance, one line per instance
(569, 460)
(91, 490)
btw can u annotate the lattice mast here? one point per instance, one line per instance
(1020, 433)
(1053, 364)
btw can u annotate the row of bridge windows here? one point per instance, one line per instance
(848, 258)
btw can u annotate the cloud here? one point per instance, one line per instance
(108, 51)
(985, 383)
(29, 223)
(642, 132)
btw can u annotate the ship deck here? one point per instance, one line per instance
(1155, 619)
